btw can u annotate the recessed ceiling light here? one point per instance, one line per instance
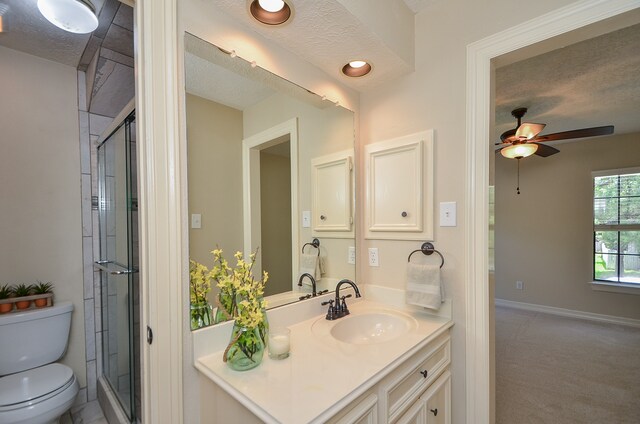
(356, 68)
(77, 16)
(270, 12)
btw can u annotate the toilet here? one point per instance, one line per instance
(33, 388)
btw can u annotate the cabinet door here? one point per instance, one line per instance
(417, 414)
(437, 400)
(366, 412)
(399, 188)
(332, 193)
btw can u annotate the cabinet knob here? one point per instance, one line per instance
(424, 373)
(404, 214)
(322, 217)
(434, 412)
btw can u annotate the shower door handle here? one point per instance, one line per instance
(102, 266)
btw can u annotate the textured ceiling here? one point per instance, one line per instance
(29, 32)
(419, 5)
(591, 83)
(327, 35)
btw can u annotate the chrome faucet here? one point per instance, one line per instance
(313, 282)
(340, 309)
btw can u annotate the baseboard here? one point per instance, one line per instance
(630, 322)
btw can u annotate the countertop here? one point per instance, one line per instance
(322, 375)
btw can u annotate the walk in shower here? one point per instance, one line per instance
(118, 265)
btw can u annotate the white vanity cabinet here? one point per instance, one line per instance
(417, 391)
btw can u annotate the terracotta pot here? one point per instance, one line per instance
(40, 303)
(6, 307)
(23, 304)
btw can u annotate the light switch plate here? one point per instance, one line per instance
(196, 220)
(448, 214)
(306, 219)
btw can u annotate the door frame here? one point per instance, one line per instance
(479, 109)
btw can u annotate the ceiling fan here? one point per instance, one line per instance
(524, 140)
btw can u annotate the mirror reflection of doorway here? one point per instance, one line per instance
(275, 216)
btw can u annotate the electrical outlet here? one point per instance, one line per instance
(519, 285)
(374, 259)
(351, 255)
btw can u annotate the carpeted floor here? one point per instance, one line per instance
(552, 369)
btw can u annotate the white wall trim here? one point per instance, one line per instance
(479, 56)
(590, 316)
(161, 217)
(625, 288)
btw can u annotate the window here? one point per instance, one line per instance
(616, 226)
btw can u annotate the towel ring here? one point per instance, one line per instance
(427, 249)
(315, 243)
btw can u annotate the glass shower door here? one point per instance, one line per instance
(117, 187)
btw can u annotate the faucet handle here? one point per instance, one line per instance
(331, 311)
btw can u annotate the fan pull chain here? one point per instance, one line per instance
(518, 188)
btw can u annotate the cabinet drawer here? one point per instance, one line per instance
(399, 390)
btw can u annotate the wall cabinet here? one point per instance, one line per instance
(399, 188)
(332, 197)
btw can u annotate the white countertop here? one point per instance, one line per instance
(322, 375)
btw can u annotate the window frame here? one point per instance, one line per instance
(606, 285)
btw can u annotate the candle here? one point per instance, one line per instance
(279, 343)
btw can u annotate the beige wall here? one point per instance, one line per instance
(275, 212)
(214, 144)
(544, 236)
(41, 226)
(434, 96)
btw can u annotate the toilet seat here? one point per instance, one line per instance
(30, 387)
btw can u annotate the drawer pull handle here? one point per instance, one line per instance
(434, 412)
(404, 214)
(322, 217)
(424, 373)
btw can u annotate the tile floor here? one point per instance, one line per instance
(89, 413)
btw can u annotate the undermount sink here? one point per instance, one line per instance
(371, 327)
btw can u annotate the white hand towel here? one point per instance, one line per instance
(424, 287)
(309, 264)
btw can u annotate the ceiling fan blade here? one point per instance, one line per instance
(544, 150)
(507, 134)
(529, 130)
(582, 133)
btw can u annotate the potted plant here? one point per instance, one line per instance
(22, 290)
(5, 293)
(42, 288)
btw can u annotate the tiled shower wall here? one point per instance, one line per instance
(91, 126)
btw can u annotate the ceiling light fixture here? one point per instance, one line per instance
(356, 68)
(519, 151)
(270, 12)
(3, 11)
(77, 16)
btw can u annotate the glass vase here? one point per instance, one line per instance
(201, 314)
(245, 350)
(225, 310)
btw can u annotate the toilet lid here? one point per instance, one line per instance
(34, 383)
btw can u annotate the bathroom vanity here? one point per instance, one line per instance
(380, 364)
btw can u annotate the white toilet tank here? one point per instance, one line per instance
(34, 337)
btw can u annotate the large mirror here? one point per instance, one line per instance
(270, 168)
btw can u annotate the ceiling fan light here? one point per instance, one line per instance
(76, 16)
(519, 151)
(527, 131)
